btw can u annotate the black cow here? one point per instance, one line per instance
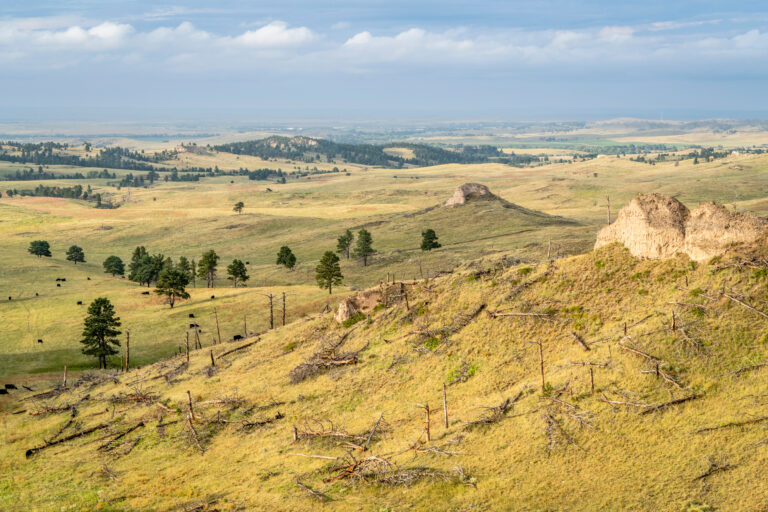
(191, 315)
(58, 284)
(237, 337)
(145, 293)
(37, 294)
(3, 391)
(63, 279)
(79, 303)
(247, 262)
(213, 296)
(58, 279)
(11, 386)
(193, 326)
(39, 341)
(10, 298)
(88, 278)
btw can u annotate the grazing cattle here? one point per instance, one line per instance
(58, 284)
(191, 315)
(237, 337)
(39, 341)
(88, 278)
(79, 303)
(213, 296)
(37, 294)
(11, 386)
(191, 326)
(145, 293)
(62, 279)
(3, 391)
(10, 298)
(247, 262)
(58, 279)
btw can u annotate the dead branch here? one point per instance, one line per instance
(747, 369)
(713, 468)
(241, 347)
(658, 407)
(733, 424)
(194, 433)
(87, 431)
(315, 494)
(109, 445)
(495, 413)
(580, 341)
(635, 351)
(745, 305)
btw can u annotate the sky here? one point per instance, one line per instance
(390, 60)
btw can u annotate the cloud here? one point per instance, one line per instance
(276, 34)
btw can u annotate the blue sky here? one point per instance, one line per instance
(382, 60)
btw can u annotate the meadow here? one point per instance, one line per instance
(307, 214)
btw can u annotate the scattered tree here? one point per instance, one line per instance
(75, 254)
(100, 331)
(237, 272)
(172, 283)
(40, 248)
(114, 265)
(286, 257)
(328, 271)
(239, 207)
(185, 267)
(364, 246)
(429, 240)
(344, 243)
(206, 268)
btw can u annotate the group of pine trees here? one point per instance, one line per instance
(42, 248)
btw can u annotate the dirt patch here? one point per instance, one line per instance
(469, 192)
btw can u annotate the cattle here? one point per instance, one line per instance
(247, 262)
(3, 391)
(37, 294)
(58, 285)
(58, 279)
(145, 293)
(11, 386)
(191, 315)
(88, 278)
(237, 337)
(63, 279)
(10, 298)
(193, 325)
(79, 303)
(213, 296)
(39, 341)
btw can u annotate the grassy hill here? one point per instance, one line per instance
(592, 382)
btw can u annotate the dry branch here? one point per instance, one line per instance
(241, 347)
(580, 341)
(87, 431)
(733, 424)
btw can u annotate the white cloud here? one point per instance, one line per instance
(276, 34)
(616, 34)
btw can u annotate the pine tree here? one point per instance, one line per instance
(100, 331)
(75, 254)
(328, 271)
(40, 248)
(114, 265)
(286, 257)
(206, 268)
(239, 207)
(237, 272)
(364, 246)
(137, 260)
(185, 266)
(429, 240)
(172, 283)
(344, 242)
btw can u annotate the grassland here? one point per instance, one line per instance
(564, 448)
(184, 219)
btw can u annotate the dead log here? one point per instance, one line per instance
(82, 433)
(108, 445)
(713, 468)
(581, 341)
(658, 407)
(315, 494)
(241, 347)
(745, 305)
(730, 424)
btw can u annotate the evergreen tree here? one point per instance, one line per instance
(172, 283)
(100, 331)
(364, 246)
(237, 272)
(239, 207)
(194, 273)
(286, 257)
(40, 248)
(75, 254)
(137, 260)
(114, 265)
(185, 267)
(206, 268)
(344, 242)
(429, 240)
(328, 271)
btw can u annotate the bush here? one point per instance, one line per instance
(349, 322)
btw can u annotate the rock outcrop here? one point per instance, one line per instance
(712, 228)
(650, 226)
(363, 302)
(468, 192)
(654, 226)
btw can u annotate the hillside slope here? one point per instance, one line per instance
(675, 351)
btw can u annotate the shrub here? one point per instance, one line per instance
(349, 322)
